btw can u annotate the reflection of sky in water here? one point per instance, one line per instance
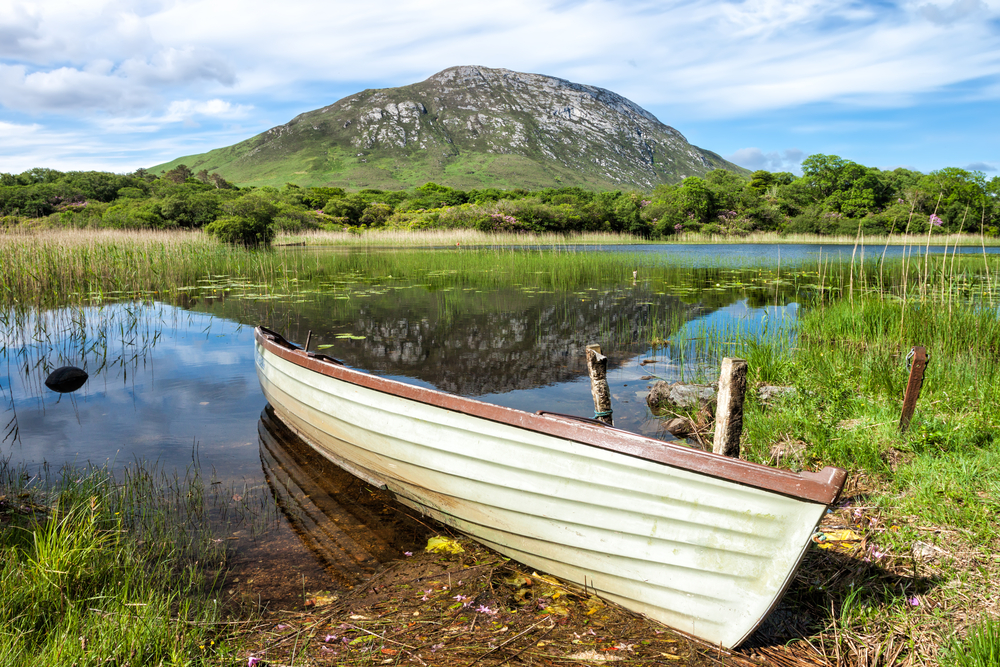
(192, 381)
(769, 323)
(749, 254)
(168, 383)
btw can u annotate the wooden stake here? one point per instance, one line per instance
(913, 386)
(597, 366)
(308, 338)
(729, 413)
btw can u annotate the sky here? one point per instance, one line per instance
(120, 84)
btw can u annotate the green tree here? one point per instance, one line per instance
(248, 221)
(376, 214)
(697, 199)
(179, 174)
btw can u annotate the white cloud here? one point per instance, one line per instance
(143, 65)
(187, 112)
(956, 11)
(721, 57)
(789, 159)
(19, 28)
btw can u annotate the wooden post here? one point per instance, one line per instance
(308, 338)
(597, 366)
(913, 386)
(729, 412)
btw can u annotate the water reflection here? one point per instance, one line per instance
(161, 381)
(350, 527)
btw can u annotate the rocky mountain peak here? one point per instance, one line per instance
(471, 126)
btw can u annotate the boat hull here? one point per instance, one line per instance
(705, 555)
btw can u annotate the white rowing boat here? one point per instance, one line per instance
(702, 543)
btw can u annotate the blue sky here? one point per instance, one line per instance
(117, 85)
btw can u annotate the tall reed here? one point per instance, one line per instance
(106, 570)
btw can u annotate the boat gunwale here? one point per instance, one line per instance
(819, 487)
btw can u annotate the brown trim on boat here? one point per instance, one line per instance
(820, 487)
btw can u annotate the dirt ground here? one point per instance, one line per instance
(475, 607)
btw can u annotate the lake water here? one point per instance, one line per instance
(175, 383)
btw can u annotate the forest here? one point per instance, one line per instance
(832, 196)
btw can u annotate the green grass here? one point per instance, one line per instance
(53, 267)
(435, 238)
(980, 648)
(104, 570)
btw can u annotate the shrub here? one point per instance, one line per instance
(135, 214)
(240, 230)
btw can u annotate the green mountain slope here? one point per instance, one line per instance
(467, 127)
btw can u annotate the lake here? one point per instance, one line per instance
(172, 379)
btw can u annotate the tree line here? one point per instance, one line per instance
(832, 196)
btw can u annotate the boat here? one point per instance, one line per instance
(702, 543)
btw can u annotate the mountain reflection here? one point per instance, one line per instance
(472, 344)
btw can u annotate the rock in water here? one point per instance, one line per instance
(680, 395)
(66, 379)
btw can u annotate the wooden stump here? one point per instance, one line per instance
(729, 412)
(597, 366)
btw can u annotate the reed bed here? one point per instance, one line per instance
(378, 238)
(51, 267)
(399, 238)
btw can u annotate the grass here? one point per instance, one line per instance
(449, 237)
(981, 648)
(397, 238)
(99, 569)
(51, 267)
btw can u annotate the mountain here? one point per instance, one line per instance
(467, 127)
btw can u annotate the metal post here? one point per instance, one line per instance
(919, 363)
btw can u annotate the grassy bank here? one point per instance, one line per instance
(911, 582)
(100, 569)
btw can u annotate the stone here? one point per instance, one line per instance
(679, 395)
(787, 449)
(770, 392)
(66, 379)
(925, 551)
(679, 426)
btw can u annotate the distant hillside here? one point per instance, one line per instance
(467, 127)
